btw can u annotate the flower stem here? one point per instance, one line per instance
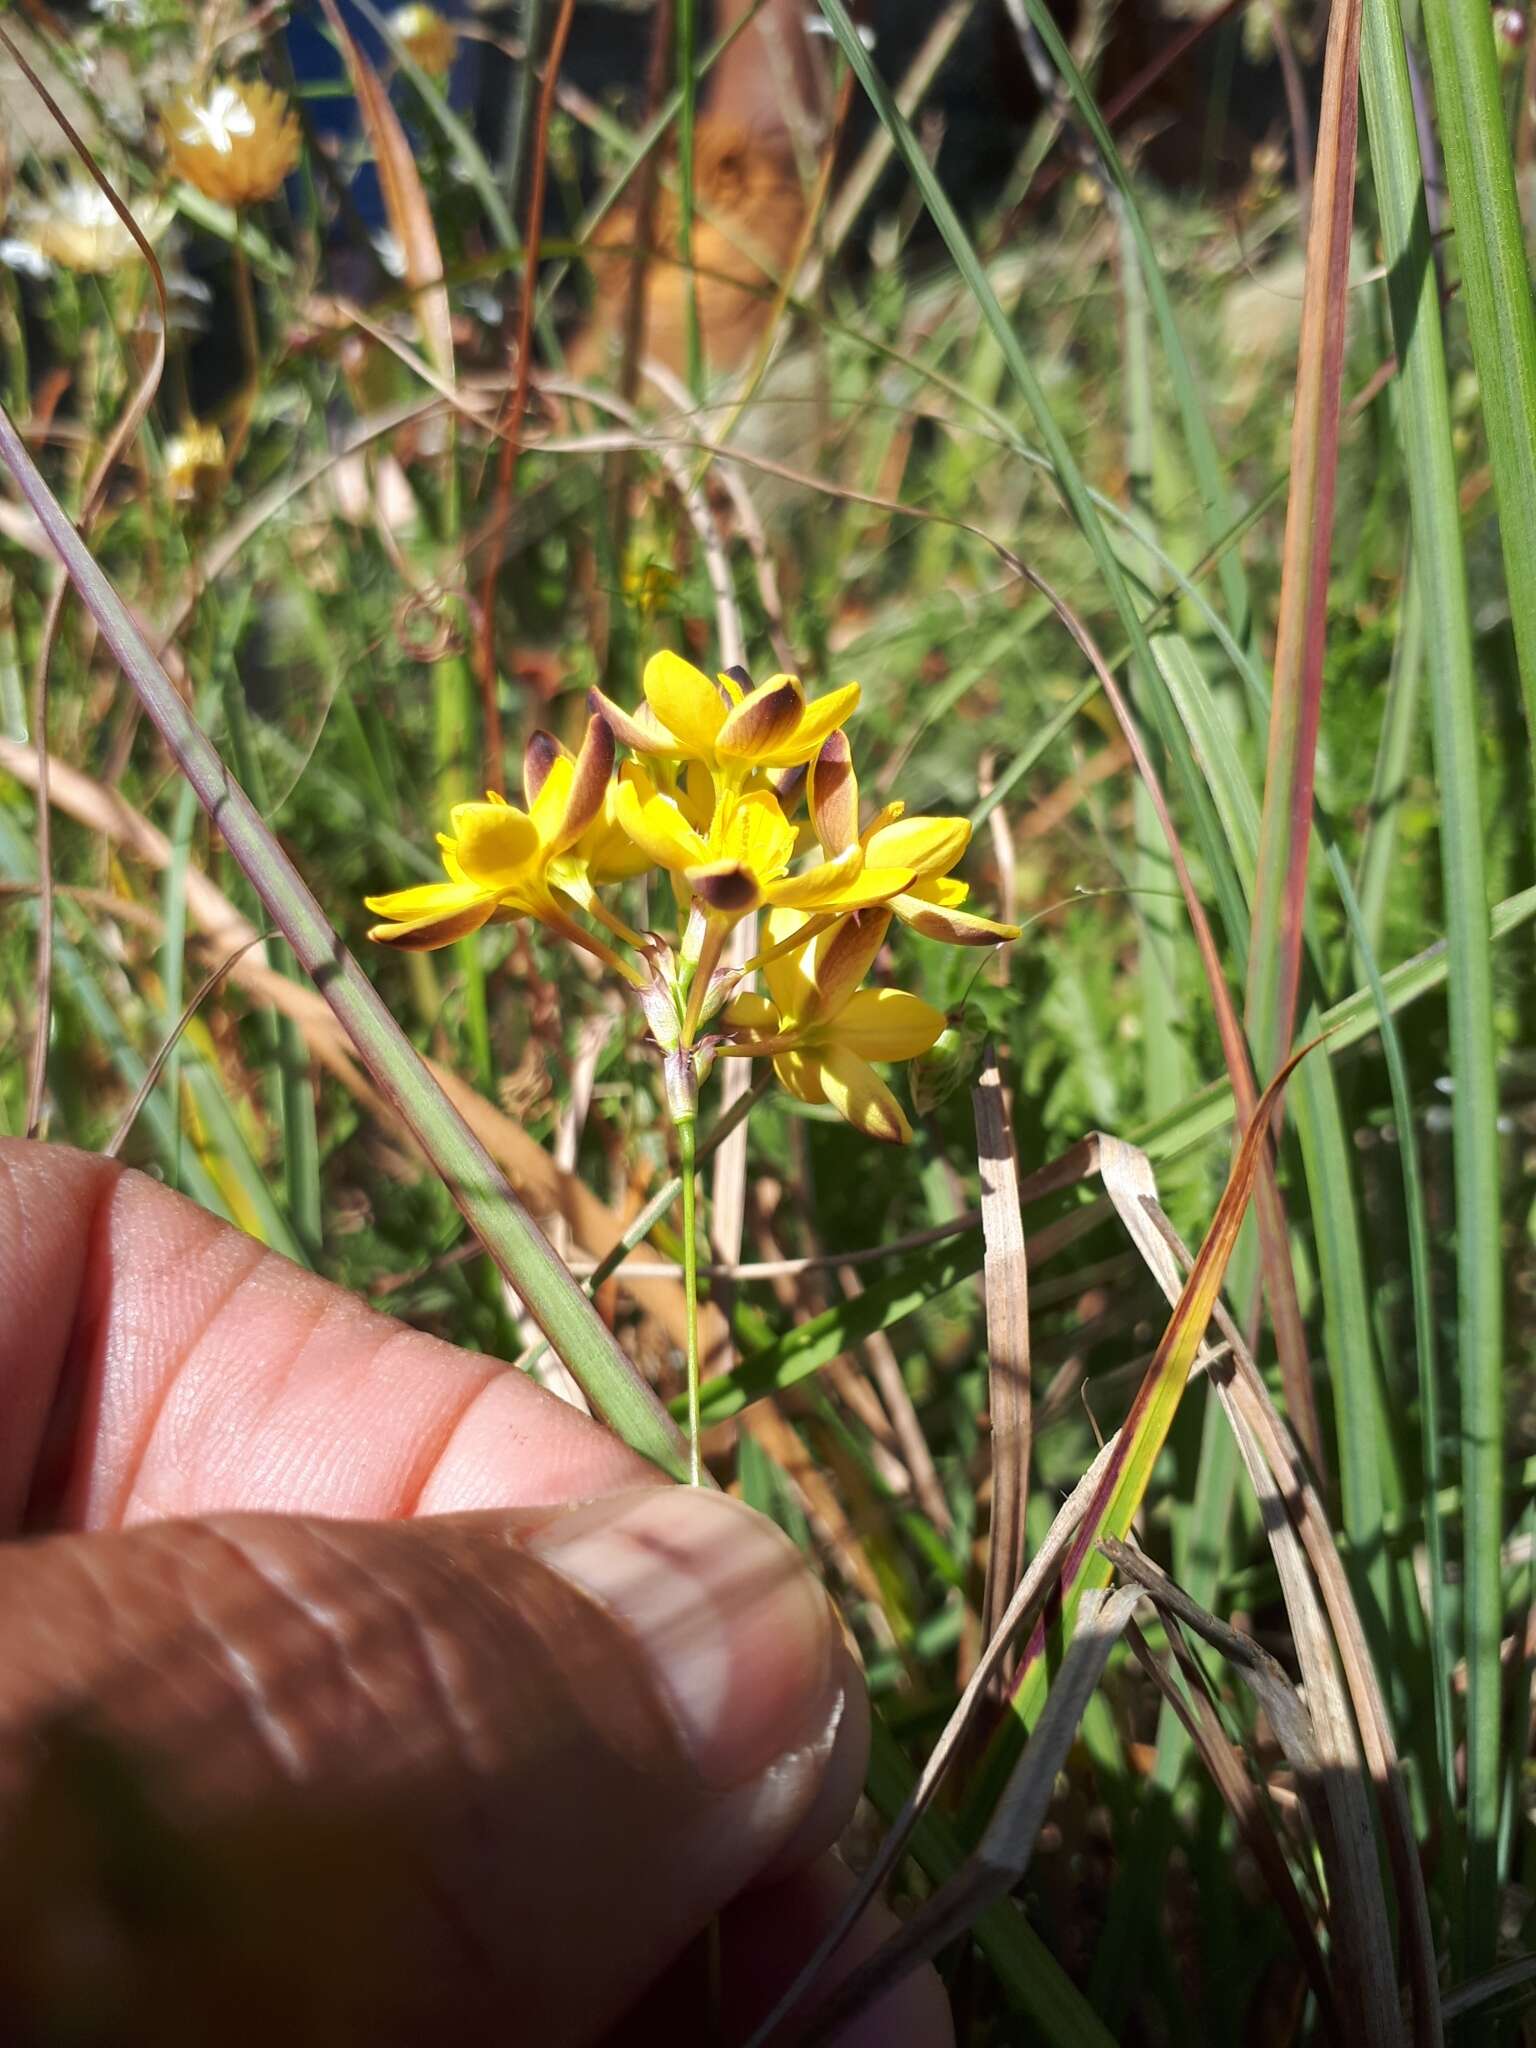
(716, 931)
(688, 1170)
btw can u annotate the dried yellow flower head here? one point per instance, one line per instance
(78, 228)
(236, 143)
(429, 40)
(193, 459)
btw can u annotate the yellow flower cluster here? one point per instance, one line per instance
(710, 796)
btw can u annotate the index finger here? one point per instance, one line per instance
(159, 1362)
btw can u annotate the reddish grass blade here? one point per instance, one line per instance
(1274, 961)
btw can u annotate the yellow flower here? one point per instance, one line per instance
(78, 227)
(427, 38)
(743, 857)
(929, 847)
(503, 863)
(729, 725)
(193, 458)
(236, 144)
(822, 1030)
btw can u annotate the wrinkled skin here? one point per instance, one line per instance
(314, 1724)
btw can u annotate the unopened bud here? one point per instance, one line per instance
(658, 1004)
(680, 1077)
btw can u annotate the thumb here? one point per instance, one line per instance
(273, 1779)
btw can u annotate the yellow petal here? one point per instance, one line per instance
(539, 756)
(638, 729)
(686, 702)
(423, 899)
(493, 843)
(831, 885)
(858, 1094)
(800, 1073)
(456, 914)
(887, 1024)
(843, 956)
(761, 723)
(548, 808)
(834, 795)
(696, 796)
(821, 718)
(946, 889)
(590, 779)
(952, 927)
(750, 1012)
(754, 833)
(788, 977)
(660, 830)
(929, 846)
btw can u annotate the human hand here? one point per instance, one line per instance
(324, 1719)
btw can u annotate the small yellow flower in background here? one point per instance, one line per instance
(649, 585)
(728, 725)
(77, 227)
(743, 858)
(429, 40)
(503, 863)
(822, 1030)
(193, 459)
(927, 847)
(236, 144)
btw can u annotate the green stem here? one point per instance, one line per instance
(687, 1169)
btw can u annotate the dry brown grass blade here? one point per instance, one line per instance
(1006, 1848)
(1005, 1279)
(1362, 1929)
(546, 1190)
(885, 1370)
(1241, 1798)
(1264, 1676)
(405, 198)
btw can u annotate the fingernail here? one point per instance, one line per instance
(739, 1635)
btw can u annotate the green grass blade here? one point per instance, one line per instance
(1204, 457)
(1504, 339)
(1496, 284)
(1421, 1280)
(1346, 1022)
